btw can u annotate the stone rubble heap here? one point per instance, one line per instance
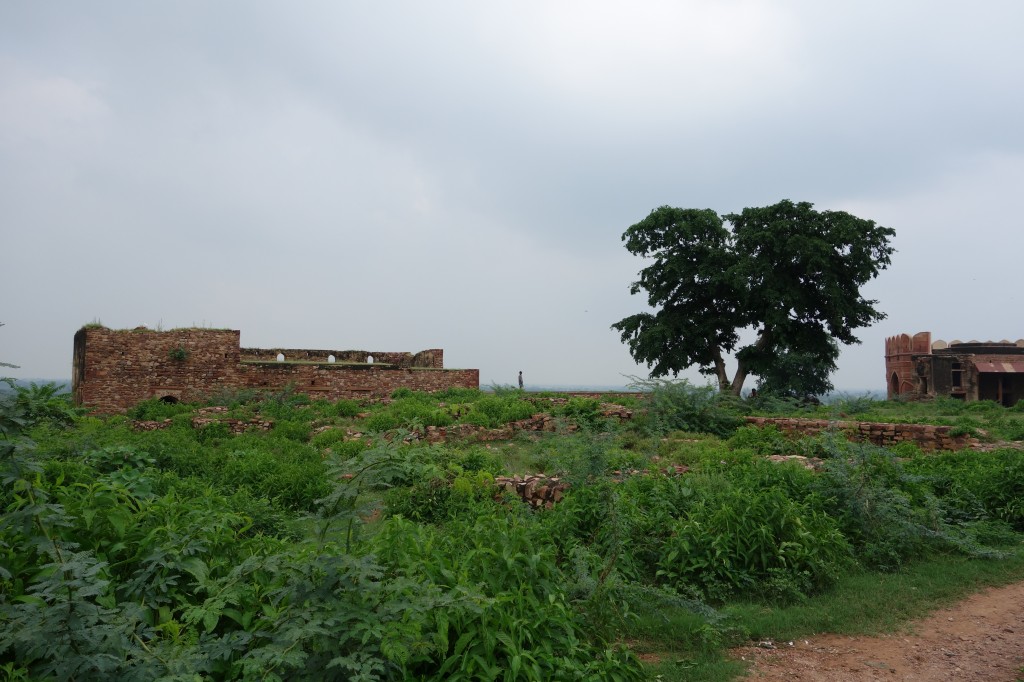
(537, 490)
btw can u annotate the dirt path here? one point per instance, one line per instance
(979, 639)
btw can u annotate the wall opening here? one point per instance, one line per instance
(369, 359)
(895, 384)
(280, 357)
(330, 358)
(169, 399)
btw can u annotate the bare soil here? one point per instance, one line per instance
(979, 639)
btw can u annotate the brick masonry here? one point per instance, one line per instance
(925, 436)
(112, 370)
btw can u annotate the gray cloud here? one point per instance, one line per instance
(404, 175)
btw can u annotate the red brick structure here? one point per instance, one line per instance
(113, 370)
(927, 437)
(973, 370)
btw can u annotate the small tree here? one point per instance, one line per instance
(790, 273)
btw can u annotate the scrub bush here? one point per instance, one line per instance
(746, 538)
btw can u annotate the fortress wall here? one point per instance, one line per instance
(116, 369)
(336, 381)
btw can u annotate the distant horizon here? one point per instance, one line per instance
(529, 388)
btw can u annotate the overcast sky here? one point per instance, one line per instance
(458, 174)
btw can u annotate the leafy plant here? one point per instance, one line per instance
(681, 406)
(744, 538)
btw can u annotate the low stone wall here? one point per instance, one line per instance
(927, 437)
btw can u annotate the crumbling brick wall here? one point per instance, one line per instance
(925, 436)
(116, 369)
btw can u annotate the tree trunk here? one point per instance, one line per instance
(738, 379)
(741, 369)
(723, 377)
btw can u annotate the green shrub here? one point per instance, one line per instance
(158, 410)
(583, 411)
(888, 513)
(680, 406)
(852, 406)
(762, 441)
(977, 485)
(521, 625)
(213, 432)
(746, 537)
(479, 458)
(458, 395)
(293, 430)
(409, 410)
(496, 410)
(346, 408)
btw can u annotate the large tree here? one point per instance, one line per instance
(789, 273)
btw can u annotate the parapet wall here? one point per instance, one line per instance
(116, 369)
(927, 437)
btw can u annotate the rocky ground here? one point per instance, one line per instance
(979, 639)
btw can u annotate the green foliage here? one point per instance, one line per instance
(46, 403)
(293, 429)
(158, 410)
(852, 406)
(746, 538)
(585, 412)
(762, 441)
(408, 410)
(889, 514)
(520, 626)
(799, 374)
(346, 408)
(497, 410)
(186, 554)
(680, 406)
(790, 272)
(977, 485)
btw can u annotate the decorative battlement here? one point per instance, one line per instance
(916, 367)
(112, 370)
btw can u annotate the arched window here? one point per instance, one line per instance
(369, 359)
(280, 357)
(330, 358)
(895, 382)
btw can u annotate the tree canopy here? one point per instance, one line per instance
(788, 272)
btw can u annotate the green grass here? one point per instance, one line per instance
(873, 603)
(680, 645)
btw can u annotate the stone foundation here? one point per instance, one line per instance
(927, 437)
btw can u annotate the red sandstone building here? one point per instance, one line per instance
(990, 370)
(113, 370)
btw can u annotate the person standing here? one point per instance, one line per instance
(520, 380)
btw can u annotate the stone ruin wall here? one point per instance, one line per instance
(112, 370)
(899, 361)
(927, 437)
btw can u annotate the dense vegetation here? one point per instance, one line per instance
(306, 551)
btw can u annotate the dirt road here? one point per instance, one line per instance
(980, 639)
